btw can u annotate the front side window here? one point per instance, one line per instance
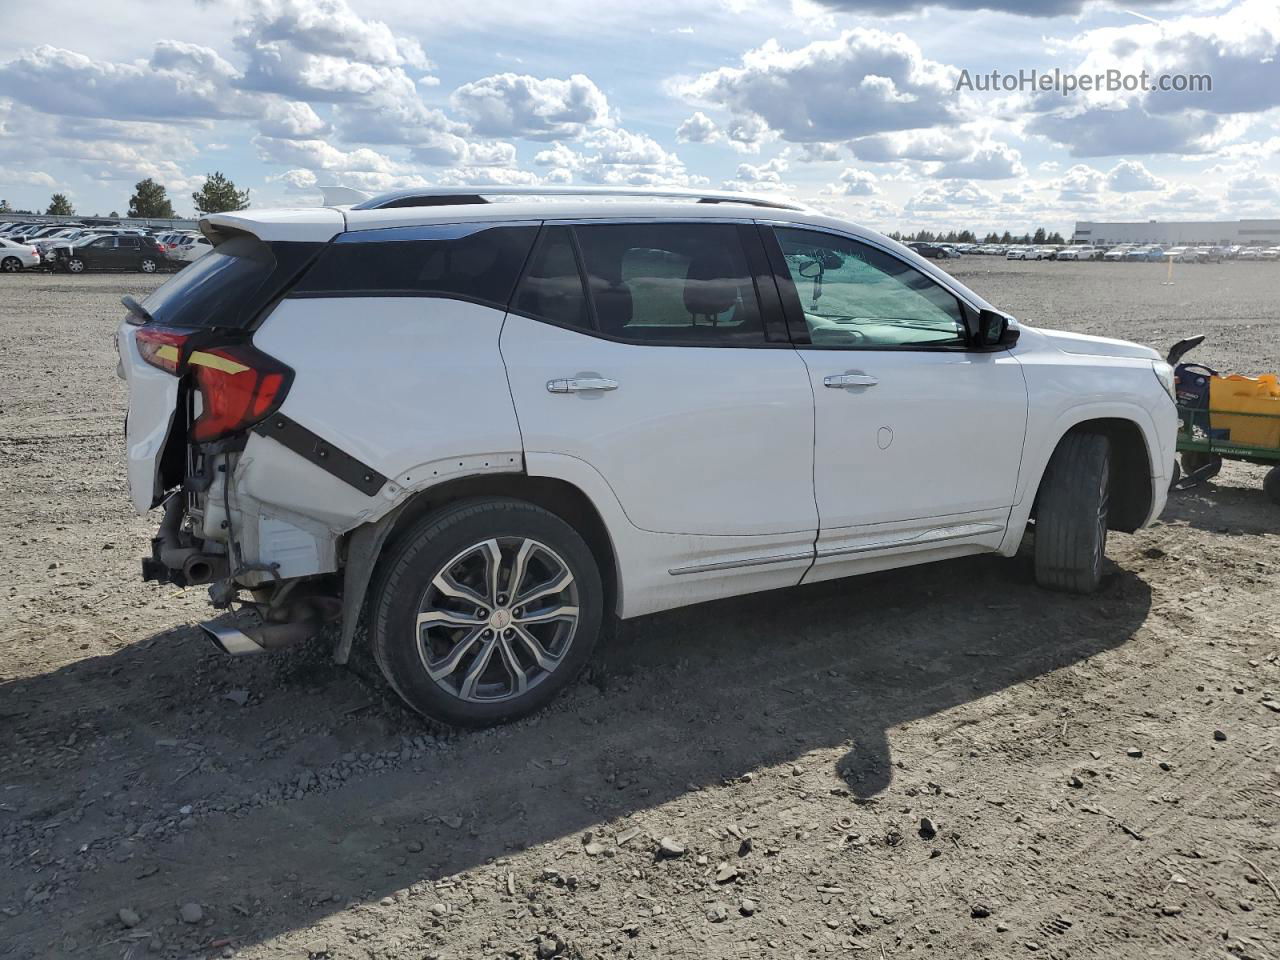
(677, 283)
(854, 295)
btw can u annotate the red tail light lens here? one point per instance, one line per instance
(162, 347)
(239, 386)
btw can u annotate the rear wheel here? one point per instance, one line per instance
(11, 265)
(485, 610)
(148, 265)
(1071, 514)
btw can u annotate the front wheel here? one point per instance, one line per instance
(75, 265)
(1071, 514)
(485, 610)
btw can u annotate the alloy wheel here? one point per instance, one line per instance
(10, 265)
(148, 266)
(497, 619)
(75, 266)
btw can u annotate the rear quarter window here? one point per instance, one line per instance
(481, 265)
(231, 284)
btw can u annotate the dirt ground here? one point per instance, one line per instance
(943, 761)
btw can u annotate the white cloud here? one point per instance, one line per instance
(949, 196)
(616, 156)
(861, 83)
(993, 161)
(1081, 182)
(698, 128)
(927, 145)
(1129, 176)
(291, 120)
(515, 105)
(854, 183)
(182, 82)
(322, 50)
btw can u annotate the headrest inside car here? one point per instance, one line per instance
(711, 285)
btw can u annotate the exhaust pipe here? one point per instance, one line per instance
(240, 636)
(247, 632)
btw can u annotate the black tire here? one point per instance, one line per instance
(1071, 514)
(408, 577)
(11, 265)
(75, 265)
(1193, 460)
(1271, 484)
(148, 265)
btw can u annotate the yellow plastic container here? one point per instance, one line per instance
(1260, 395)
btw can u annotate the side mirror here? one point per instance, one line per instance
(995, 329)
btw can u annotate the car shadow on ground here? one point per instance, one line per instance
(278, 835)
(1238, 507)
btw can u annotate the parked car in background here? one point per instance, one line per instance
(1249, 253)
(111, 253)
(188, 249)
(1025, 253)
(1083, 252)
(276, 389)
(1115, 254)
(933, 251)
(15, 256)
(1271, 253)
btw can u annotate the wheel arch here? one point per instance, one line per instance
(1130, 473)
(366, 545)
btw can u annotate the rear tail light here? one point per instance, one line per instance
(239, 385)
(162, 347)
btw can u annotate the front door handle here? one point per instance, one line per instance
(849, 380)
(581, 384)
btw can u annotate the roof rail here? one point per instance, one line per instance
(450, 196)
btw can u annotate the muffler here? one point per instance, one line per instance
(241, 635)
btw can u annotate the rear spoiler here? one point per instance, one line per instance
(307, 225)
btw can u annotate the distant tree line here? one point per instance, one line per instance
(968, 236)
(150, 200)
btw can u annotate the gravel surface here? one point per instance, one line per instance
(941, 761)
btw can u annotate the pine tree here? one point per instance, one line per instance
(219, 194)
(60, 206)
(150, 200)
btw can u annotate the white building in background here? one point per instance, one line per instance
(1265, 233)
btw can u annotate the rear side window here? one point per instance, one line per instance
(230, 284)
(480, 266)
(676, 283)
(552, 286)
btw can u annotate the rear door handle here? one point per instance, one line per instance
(849, 380)
(581, 384)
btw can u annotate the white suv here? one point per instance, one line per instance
(489, 428)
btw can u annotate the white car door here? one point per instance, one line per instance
(918, 440)
(674, 380)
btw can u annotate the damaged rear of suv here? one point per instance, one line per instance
(199, 389)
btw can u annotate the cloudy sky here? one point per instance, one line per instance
(850, 104)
